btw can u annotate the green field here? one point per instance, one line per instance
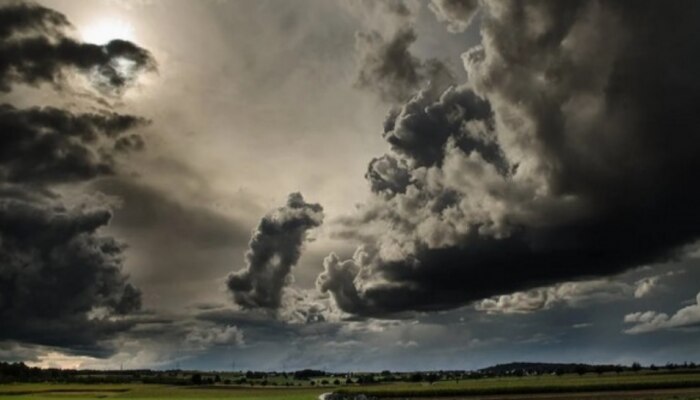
(534, 384)
(145, 391)
(590, 386)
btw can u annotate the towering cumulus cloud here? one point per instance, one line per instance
(571, 152)
(61, 281)
(272, 252)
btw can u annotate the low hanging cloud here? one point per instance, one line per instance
(206, 337)
(35, 48)
(61, 279)
(650, 321)
(571, 156)
(653, 284)
(272, 252)
(574, 294)
(569, 294)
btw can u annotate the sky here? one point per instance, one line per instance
(348, 185)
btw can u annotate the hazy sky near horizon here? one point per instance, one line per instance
(348, 185)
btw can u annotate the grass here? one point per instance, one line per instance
(533, 384)
(488, 386)
(144, 391)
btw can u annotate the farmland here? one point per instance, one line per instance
(570, 386)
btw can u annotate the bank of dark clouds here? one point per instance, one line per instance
(58, 145)
(61, 279)
(573, 157)
(56, 271)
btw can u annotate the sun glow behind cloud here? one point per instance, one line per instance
(104, 30)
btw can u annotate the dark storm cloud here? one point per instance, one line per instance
(388, 68)
(585, 167)
(272, 252)
(34, 49)
(421, 128)
(458, 14)
(61, 280)
(20, 17)
(56, 270)
(55, 145)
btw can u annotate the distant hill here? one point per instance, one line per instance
(531, 368)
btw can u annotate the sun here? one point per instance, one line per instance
(105, 30)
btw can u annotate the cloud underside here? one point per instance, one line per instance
(570, 153)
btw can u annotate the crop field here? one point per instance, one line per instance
(535, 385)
(571, 387)
(148, 391)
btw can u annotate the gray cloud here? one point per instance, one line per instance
(651, 284)
(57, 145)
(273, 250)
(650, 321)
(421, 128)
(458, 14)
(572, 294)
(216, 336)
(61, 279)
(175, 235)
(577, 161)
(388, 174)
(388, 68)
(55, 270)
(36, 49)
(145, 208)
